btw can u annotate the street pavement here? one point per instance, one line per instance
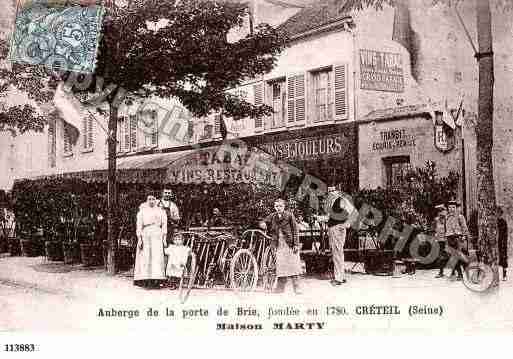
(32, 300)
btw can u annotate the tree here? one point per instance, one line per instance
(484, 132)
(29, 80)
(180, 49)
(487, 219)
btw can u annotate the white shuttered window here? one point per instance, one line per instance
(148, 128)
(127, 133)
(278, 92)
(322, 92)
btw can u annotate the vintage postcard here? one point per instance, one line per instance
(257, 168)
(59, 35)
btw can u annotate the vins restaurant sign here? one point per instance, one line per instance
(381, 71)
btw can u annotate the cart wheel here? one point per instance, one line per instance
(188, 278)
(243, 271)
(269, 269)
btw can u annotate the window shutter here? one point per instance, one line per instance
(258, 90)
(91, 132)
(120, 134)
(217, 124)
(296, 99)
(133, 132)
(300, 99)
(126, 133)
(67, 139)
(190, 131)
(155, 133)
(266, 120)
(51, 143)
(84, 132)
(291, 90)
(87, 128)
(340, 92)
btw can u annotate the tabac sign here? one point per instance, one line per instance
(381, 71)
(219, 165)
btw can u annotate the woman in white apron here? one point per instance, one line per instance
(149, 270)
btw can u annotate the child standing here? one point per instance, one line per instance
(177, 254)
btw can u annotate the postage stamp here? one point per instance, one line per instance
(64, 38)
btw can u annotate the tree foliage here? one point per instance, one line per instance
(31, 81)
(181, 49)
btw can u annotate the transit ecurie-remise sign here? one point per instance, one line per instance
(381, 71)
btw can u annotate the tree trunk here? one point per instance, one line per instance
(112, 191)
(484, 132)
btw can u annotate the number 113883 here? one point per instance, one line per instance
(19, 348)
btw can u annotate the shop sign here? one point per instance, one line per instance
(444, 137)
(381, 71)
(393, 139)
(215, 165)
(303, 149)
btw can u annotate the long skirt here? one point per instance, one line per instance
(149, 261)
(288, 263)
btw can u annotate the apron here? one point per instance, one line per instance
(149, 261)
(288, 263)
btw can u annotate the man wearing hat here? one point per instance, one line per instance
(439, 233)
(339, 215)
(455, 231)
(173, 215)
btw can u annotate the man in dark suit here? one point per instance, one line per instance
(502, 237)
(283, 228)
(173, 215)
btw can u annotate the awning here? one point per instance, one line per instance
(218, 164)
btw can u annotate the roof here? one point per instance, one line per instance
(311, 17)
(396, 112)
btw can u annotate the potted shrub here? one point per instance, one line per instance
(31, 243)
(4, 247)
(53, 247)
(91, 240)
(91, 253)
(70, 246)
(7, 224)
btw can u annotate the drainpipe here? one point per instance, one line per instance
(355, 96)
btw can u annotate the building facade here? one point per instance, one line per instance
(355, 92)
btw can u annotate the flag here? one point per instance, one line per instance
(447, 117)
(459, 115)
(71, 111)
(431, 111)
(403, 32)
